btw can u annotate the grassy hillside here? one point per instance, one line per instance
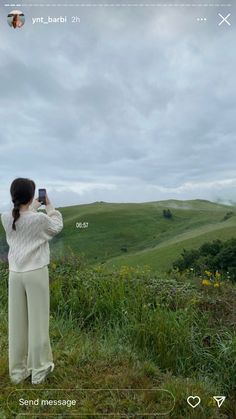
(130, 329)
(161, 256)
(149, 238)
(137, 233)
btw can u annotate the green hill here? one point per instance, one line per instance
(137, 233)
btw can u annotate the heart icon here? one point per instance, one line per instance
(193, 401)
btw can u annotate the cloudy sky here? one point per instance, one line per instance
(132, 104)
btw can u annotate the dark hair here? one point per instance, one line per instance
(22, 191)
(14, 21)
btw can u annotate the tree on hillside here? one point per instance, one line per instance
(228, 215)
(167, 213)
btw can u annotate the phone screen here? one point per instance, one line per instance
(125, 112)
(42, 196)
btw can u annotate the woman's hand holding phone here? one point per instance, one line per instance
(36, 203)
(43, 198)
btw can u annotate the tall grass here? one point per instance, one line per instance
(170, 323)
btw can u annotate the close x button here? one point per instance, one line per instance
(224, 19)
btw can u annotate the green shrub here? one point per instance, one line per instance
(213, 256)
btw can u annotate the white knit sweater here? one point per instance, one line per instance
(28, 244)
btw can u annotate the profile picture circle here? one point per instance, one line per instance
(16, 19)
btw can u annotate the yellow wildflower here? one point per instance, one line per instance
(206, 282)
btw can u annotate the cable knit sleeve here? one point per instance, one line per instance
(52, 222)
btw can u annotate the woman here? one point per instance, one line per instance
(16, 21)
(28, 233)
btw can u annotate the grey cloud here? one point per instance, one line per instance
(140, 99)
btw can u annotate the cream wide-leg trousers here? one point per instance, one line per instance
(28, 325)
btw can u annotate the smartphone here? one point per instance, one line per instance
(42, 196)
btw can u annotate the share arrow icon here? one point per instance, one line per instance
(219, 400)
